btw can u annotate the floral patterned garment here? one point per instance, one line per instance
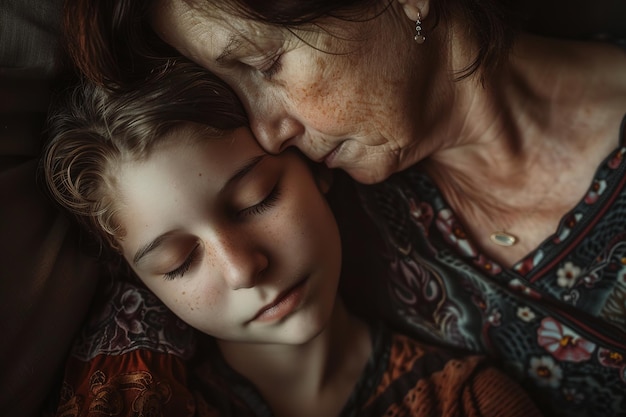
(556, 320)
(403, 377)
(136, 358)
(130, 359)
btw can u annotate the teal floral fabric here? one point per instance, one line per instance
(556, 320)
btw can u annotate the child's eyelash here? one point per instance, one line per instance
(181, 270)
(264, 205)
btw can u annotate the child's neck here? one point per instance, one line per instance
(316, 378)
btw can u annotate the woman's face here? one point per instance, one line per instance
(343, 97)
(240, 244)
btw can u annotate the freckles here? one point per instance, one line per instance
(194, 304)
(322, 80)
(324, 99)
(321, 64)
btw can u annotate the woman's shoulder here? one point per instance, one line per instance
(428, 380)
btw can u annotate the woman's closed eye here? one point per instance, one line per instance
(180, 271)
(272, 67)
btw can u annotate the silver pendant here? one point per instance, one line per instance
(503, 238)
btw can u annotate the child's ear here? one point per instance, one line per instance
(324, 177)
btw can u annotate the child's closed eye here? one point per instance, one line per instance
(180, 271)
(268, 202)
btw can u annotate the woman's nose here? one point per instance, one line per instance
(238, 262)
(274, 128)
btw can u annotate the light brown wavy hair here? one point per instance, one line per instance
(92, 130)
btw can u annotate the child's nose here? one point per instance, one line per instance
(240, 264)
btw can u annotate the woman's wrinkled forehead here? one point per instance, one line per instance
(193, 26)
(205, 30)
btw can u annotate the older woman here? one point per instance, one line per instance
(504, 229)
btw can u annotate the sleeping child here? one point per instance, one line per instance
(243, 246)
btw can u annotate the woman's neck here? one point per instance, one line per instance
(315, 378)
(523, 150)
(547, 93)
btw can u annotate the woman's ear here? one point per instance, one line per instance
(415, 9)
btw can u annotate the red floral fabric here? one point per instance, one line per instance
(136, 383)
(130, 359)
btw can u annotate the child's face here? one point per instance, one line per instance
(240, 244)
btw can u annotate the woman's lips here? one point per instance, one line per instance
(283, 305)
(330, 157)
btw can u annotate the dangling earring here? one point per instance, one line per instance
(419, 38)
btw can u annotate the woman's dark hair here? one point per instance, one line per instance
(113, 44)
(93, 130)
(492, 22)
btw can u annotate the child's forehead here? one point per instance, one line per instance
(191, 133)
(236, 143)
(174, 156)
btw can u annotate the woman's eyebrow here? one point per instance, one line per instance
(232, 45)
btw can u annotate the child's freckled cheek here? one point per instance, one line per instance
(194, 304)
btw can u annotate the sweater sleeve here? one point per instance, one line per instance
(426, 381)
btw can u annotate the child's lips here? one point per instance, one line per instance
(284, 304)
